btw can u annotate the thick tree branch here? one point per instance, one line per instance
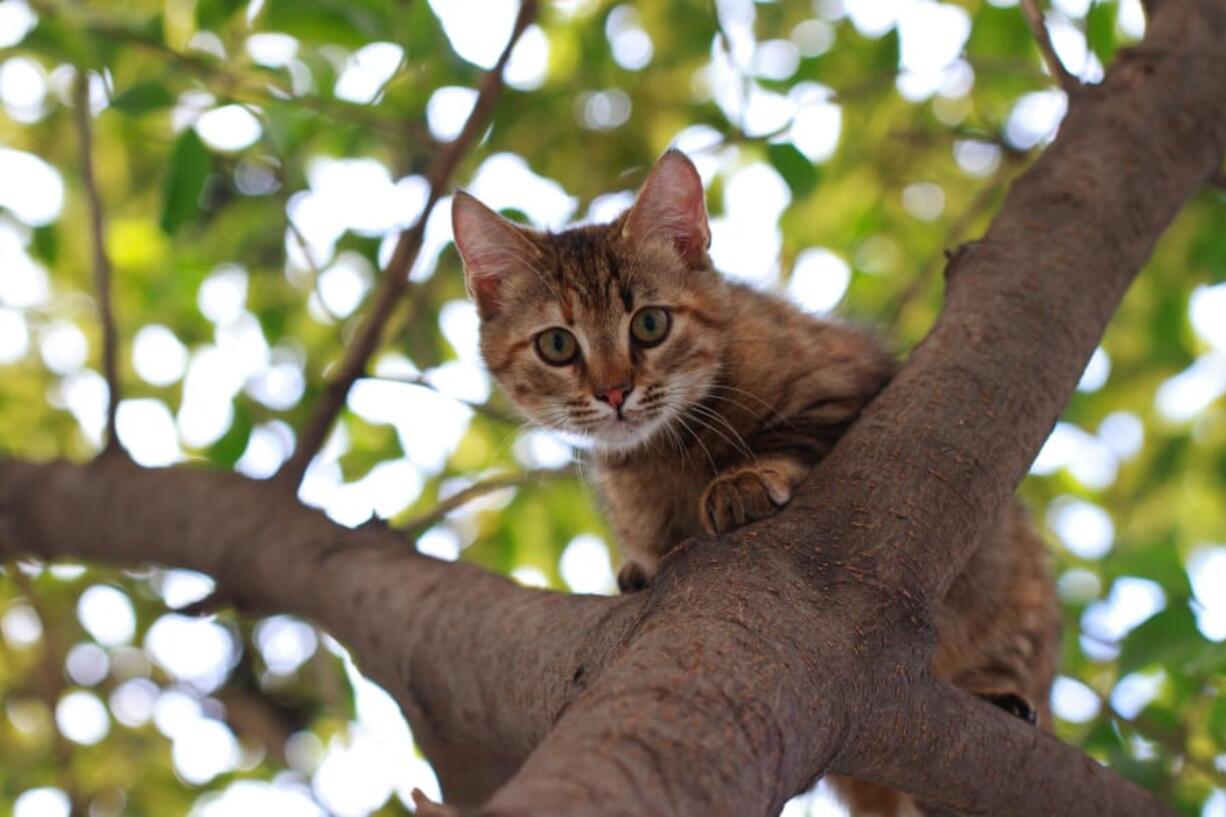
(395, 278)
(416, 625)
(936, 725)
(793, 647)
(886, 523)
(102, 264)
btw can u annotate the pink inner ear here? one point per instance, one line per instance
(672, 207)
(484, 283)
(492, 249)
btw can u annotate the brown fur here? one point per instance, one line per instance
(726, 415)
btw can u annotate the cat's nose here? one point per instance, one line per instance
(615, 396)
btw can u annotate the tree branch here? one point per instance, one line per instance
(793, 647)
(1034, 18)
(885, 524)
(416, 526)
(395, 278)
(51, 686)
(232, 84)
(102, 264)
(935, 724)
(956, 234)
(395, 608)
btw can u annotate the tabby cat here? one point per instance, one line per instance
(707, 402)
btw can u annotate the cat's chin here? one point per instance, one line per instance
(622, 437)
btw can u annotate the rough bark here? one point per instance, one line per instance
(793, 647)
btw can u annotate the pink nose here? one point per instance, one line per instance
(613, 395)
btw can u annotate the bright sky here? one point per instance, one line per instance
(355, 776)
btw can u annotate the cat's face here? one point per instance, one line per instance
(609, 332)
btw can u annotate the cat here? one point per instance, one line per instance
(707, 402)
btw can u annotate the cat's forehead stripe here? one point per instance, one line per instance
(585, 264)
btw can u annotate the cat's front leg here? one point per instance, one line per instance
(749, 491)
(632, 577)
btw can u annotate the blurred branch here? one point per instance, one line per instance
(1174, 744)
(1034, 18)
(229, 83)
(395, 278)
(1218, 179)
(416, 526)
(397, 72)
(309, 256)
(51, 686)
(102, 264)
(555, 704)
(955, 236)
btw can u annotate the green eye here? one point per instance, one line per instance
(650, 325)
(557, 347)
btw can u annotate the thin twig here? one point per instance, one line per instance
(395, 278)
(1172, 743)
(308, 255)
(1034, 18)
(263, 91)
(102, 264)
(392, 77)
(956, 234)
(744, 81)
(414, 527)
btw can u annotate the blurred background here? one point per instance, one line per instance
(256, 161)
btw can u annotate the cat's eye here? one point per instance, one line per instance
(557, 347)
(650, 325)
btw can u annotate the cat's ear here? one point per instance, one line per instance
(671, 207)
(495, 252)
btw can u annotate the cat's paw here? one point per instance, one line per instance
(632, 578)
(740, 495)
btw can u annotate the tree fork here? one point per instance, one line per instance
(790, 648)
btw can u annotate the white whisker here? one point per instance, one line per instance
(735, 440)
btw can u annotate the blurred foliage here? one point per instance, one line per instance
(179, 208)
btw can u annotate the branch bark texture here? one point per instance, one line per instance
(793, 647)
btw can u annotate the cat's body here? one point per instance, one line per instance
(766, 419)
(708, 402)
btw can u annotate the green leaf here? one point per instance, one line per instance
(369, 445)
(47, 243)
(1217, 721)
(1159, 561)
(1100, 30)
(794, 166)
(1148, 774)
(341, 22)
(188, 171)
(56, 39)
(210, 13)
(143, 97)
(227, 450)
(1000, 32)
(1170, 638)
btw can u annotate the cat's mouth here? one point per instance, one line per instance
(627, 428)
